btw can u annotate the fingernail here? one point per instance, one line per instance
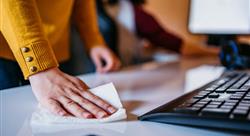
(87, 115)
(62, 113)
(111, 110)
(101, 114)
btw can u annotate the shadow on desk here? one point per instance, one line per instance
(130, 106)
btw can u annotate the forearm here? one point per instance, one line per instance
(190, 48)
(86, 20)
(22, 28)
(154, 32)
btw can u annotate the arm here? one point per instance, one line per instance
(192, 48)
(153, 31)
(60, 93)
(158, 36)
(84, 15)
(22, 28)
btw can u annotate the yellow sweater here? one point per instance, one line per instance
(36, 32)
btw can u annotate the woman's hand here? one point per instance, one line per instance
(101, 55)
(66, 95)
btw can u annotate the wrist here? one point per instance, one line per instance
(43, 73)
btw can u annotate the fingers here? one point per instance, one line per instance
(90, 98)
(98, 112)
(98, 101)
(112, 63)
(78, 83)
(92, 103)
(98, 63)
(61, 95)
(74, 108)
(109, 64)
(95, 99)
(55, 107)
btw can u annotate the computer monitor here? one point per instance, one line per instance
(220, 17)
(222, 21)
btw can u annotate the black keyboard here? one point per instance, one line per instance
(221, 104)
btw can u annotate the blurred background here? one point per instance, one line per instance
(117, 23)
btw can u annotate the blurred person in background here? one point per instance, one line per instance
(79, 60)
(107, 27)
(139, 30)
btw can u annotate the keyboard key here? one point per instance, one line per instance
(215, 112)
(213, 95)
(210, 89)
(246, 87)
(227, 107)
(244, 105)
(235, 86)
(232, 101)
(247, 83)
(247, 98)
(240, 93)
(236, 90)
(198, 105)
(227, 85)
(202, 102)
(189, 110)
(212, 106)
(218, 100)
(240, 82)
(244, 101)
(205, 100)
(239, 114)
(229, 104)
(199, 96)
(215, 103)
(220, 90)
(235, 97)
(242, 108)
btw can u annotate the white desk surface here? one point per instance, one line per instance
(141, 89)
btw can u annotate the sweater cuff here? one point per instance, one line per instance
(35, 57)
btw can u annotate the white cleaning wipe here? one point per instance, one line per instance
(107, 92)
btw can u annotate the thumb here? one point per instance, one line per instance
(97, 61)
(109, 63)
